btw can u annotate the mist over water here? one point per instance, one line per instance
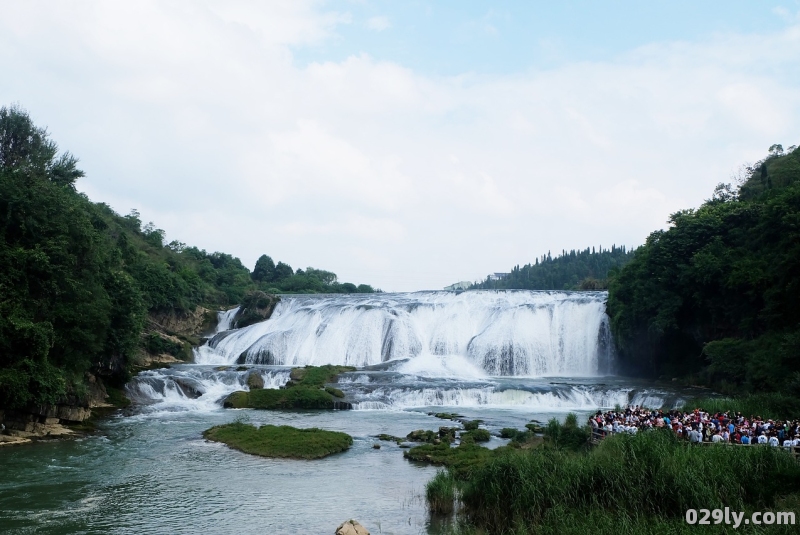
(497, 333)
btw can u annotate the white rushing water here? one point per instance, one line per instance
(193, 388)
(499, 333)
(576, 398)
(225, 319)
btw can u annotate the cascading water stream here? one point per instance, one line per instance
(195, 388)
(225, 319)
(493, 349)
(500, 333)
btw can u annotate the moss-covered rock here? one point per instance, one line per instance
(471, 425)
(255, 381)
(237, 400)
(445, 415)
(305, 390)
(280, 441)
(335, 392)
(422, 435)
(318, 375)
(476, 435)
(256, 306)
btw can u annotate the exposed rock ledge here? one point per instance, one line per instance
(52, 421)
(188, 324)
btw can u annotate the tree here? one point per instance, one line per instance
(27, 148)
(264, 270)
(326, 277)
(283, 271)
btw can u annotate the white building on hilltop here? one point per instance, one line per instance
(463, 285)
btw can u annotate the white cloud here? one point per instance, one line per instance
(196, 114)
(378, 24)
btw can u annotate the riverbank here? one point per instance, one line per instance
(628, 483)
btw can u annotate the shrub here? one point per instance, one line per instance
(440, 492)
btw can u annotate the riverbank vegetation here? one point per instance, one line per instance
(714, 298)
(280, 441)
(641, 483)
(83, 286)
(571, 270)
(307, 389)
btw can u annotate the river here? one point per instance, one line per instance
(504, 357)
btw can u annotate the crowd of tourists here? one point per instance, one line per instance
(699, 426)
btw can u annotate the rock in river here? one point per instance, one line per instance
(351, 527)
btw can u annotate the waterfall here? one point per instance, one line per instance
(225, 319)
(499, 333)
(195, 388)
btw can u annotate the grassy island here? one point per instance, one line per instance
(306, 389)
(280, 441)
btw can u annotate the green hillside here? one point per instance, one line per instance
(78, 281)
(717, 296)
(571, 270)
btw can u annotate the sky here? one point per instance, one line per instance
(406, 145)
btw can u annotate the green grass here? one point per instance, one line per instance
(462, 461)
(636, 479)
(559, 521)
(568, 435)
(476, 435)
(471, 425)
(317, 375)
(298, 397)
(440, 493)
(335, 392)
(305, 390)
(445, 415)
(280, 441)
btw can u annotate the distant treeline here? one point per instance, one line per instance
(78, 280)
(716, 297)
(280, 278)
(574, 270)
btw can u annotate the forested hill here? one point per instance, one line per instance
(78, 281)
(573, 270)
(716, 297)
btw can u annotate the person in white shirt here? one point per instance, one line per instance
(762, 438)
(716, 438)
(773, 441)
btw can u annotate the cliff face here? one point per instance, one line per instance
(186, 324)
(168, 337)
(53, 421)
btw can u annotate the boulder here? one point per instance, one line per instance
(255, 381)
(256, 306)
(351, 527)
(189, 387)
(237, 400)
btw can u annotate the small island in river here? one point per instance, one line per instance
(280, 441)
